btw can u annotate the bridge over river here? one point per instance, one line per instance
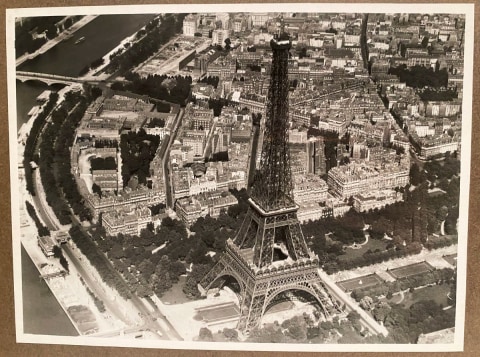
(48, 79)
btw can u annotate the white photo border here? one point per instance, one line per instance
(451, 8)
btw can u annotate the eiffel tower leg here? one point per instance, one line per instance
(252, 312)
(212, 275)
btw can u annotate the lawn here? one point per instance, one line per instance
(373, 245)
(438, 293)
(175, 295)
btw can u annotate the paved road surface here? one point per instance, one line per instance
(94, 285)
(167, 172)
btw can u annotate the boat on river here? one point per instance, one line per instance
(80, 40)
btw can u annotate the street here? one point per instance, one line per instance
(167, 174)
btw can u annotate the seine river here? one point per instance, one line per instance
(42, 313)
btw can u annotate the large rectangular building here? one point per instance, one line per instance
(189, 209)
(361, 178)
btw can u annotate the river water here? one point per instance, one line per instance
(41, 312)
(101, 36)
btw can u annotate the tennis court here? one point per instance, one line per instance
(360, 282)
(412, 269)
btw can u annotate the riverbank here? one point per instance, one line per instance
(55, 41)
(40, 315)
(69, 290)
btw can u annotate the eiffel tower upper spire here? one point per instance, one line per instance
(272, 185)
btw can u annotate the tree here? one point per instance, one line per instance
(57, 253)
(416, 177)
(354, 317)
(297, 332)
(205, 334)
(228, 44)
(51, 31)
(97, 190)
(230, 333)
(425, 41)
(366, 303)
(198, 272)
(117, 252)
(296, 328)
(381, 311)
(146, 268)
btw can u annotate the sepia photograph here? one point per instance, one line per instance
(206, 177)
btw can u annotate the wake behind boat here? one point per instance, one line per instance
(80, 40)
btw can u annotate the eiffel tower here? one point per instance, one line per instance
(268, 255)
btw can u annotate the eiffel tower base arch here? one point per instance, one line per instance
(259, 286)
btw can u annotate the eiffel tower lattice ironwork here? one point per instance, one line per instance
(269, 255)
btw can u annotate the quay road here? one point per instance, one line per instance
(38, 202)
(167, 169)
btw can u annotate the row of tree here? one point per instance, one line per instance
(437, 276)
(31, 142)
(95, 64)
(436, 95)
(158, 32)
(154, 86)
(41, 229)
(369, 258)
(58, 253)
(211, 80)
(58, 182)
(98, 303)
(90, 250)
(46, 165)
